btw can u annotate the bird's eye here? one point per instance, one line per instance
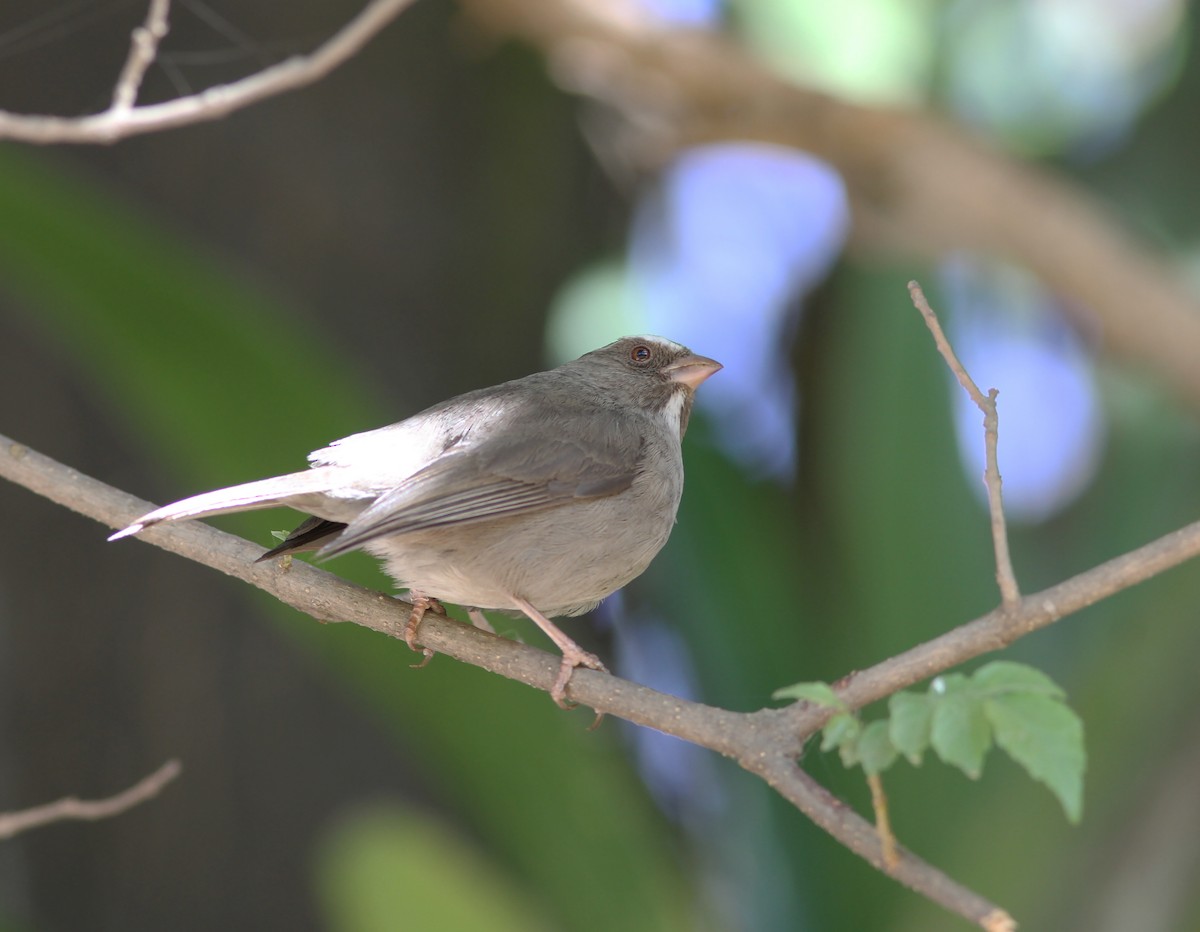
(640, 353)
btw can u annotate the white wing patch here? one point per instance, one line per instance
(384, 457)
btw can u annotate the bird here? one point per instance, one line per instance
(539, 496)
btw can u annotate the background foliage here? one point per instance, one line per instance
(203, 307)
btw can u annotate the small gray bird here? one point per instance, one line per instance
(542, 495)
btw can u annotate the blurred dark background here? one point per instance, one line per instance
(200, 307)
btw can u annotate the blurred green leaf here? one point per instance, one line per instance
(198, 359)
(390, 867)
(841, 730)
(1046, 738)
(875, 748)
(1001, 676)
(910, 723)
(960, 732)
(949, 684)
(820, 694)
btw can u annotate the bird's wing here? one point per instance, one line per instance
(497, 478)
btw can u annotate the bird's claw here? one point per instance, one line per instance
(420, 605)
(571, 660)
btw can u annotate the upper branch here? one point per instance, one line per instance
(919, 186)
(122, 119)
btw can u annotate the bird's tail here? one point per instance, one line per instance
(291, 489)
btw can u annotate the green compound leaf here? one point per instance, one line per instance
(817, 693)
(1045, 737)
(910, 724)
(1004, 676)
(960, 732)
(1013, 705)
(876, 752)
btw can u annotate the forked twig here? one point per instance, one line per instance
(143, 49)
(1010, 593)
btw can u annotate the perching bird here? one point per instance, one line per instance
(542, 495)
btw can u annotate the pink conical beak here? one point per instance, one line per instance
(692, 370)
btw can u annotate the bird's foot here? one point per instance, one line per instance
(573, 656)
(570, 660)
(420, 605)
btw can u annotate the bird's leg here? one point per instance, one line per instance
(479, 620)
(572, 655)
(421, 604)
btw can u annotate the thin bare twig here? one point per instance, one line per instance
(143, 48)
(119, 122)
(883, 823)
(1010, 594)
(70, 807)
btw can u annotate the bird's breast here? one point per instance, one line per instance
(564, 560)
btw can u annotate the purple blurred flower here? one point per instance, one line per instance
(723, 249)
(684, 12)
(679, 775)
(1010, 335)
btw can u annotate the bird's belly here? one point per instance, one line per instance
(563, 561)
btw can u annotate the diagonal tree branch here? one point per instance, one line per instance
(766, 742)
